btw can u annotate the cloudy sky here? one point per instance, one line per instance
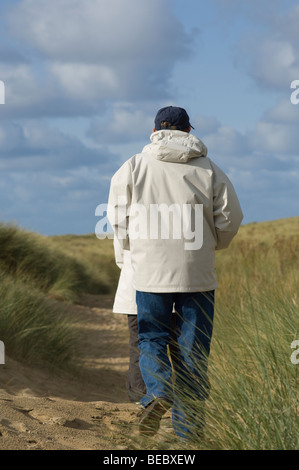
(84, 80)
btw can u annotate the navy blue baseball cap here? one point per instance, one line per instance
(173, 117)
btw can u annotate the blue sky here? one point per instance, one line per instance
(84, 80)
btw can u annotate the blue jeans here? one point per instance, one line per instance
(181, 376)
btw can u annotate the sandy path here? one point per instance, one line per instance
(46, 412)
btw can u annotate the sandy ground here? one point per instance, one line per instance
(42, 411)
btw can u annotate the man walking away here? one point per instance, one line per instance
(172, 207)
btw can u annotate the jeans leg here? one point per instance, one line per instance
(154, 330)
(135, 384)
(194, 332)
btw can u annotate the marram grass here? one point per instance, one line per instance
(254, 394)
(34, 330)
(254, 399)
(35, 273)
(253, 403)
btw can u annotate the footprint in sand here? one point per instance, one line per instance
(13, 426)
(59, 420)
(46, 419)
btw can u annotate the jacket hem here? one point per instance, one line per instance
(124, 311)
(171, 289)
(118, 312)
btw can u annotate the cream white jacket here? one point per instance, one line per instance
(125, 297)
(173, 171)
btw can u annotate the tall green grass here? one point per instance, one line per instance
(96, 255)
(254, 401)
(55, 270)
(35, 271)
(34, 330)
(254, 395)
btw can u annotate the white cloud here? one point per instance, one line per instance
(50, 181)
(96, 30)
(276, 63)
(52, 202)
(276, 138)
(121, 49)
(21, 86)
(86, 81)
(283, 112)
(269, 50)
(125, 123)
(35, 146)
(111, 62)
(227, 141)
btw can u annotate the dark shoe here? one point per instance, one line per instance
(150, 418)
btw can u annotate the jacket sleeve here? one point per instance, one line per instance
(120, 196)
(227, 211)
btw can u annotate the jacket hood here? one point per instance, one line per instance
(175, 146)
